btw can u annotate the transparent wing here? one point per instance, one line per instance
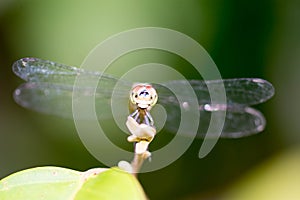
(244, 91)
(50, 86)
(38, 70)
(57, 99)
(240, 119)
(239, 91)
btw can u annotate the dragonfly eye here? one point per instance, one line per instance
(144, 94)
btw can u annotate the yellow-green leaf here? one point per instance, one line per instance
(111, 184)
(55, 183)
(40, 183)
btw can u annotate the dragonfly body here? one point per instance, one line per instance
(49, 87)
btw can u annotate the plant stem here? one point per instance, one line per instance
(138, 161)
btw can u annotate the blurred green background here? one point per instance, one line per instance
(258, 38)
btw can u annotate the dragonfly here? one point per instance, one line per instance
(49, 89)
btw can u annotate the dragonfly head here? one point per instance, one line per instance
(143, 96)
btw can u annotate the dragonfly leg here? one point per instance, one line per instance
(146, 119)
(149, 119)
(135, 115)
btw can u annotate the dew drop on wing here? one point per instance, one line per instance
(185, 106)
(17, 92)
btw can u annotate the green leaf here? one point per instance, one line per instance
(40, 183)
(112, 184)
(57, 183)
